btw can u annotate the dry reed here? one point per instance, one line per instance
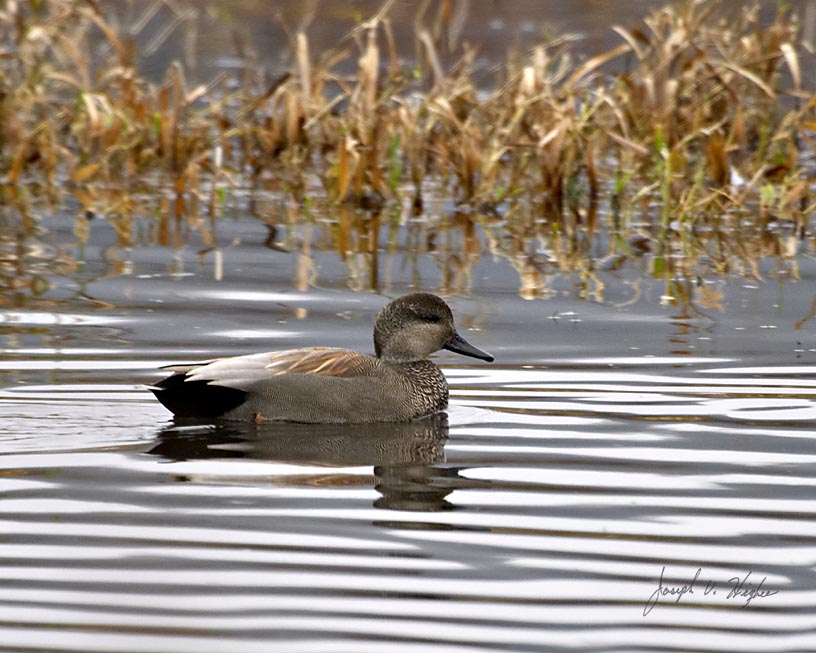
(703, 135)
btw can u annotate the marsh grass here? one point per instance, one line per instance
(690, 140)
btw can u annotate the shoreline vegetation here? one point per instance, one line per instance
(691, 143)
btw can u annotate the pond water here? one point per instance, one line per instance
(621, 450)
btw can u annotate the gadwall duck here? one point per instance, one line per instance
(329, 385)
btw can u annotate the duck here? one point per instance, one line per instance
(399, 383)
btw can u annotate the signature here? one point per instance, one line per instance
(738, 587)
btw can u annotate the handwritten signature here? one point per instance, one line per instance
(738, 588)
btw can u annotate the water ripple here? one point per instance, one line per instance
(541, 517)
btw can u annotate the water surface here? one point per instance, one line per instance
(613, 441)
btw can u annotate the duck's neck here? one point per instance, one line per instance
(401, 358)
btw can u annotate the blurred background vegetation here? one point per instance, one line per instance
(681, 143)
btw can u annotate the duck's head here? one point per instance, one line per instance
(415, 326)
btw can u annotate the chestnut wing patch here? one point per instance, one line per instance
(325, 361)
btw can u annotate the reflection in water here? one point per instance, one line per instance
(403, 455)
(371, 250)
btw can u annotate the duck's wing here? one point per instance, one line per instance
(243, 371)
(326, 361)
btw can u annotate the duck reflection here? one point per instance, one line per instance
(406, 457)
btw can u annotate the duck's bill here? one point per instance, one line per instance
(461, 346)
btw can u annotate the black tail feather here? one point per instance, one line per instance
(196, 398)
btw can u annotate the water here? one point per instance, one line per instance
(612, 443)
